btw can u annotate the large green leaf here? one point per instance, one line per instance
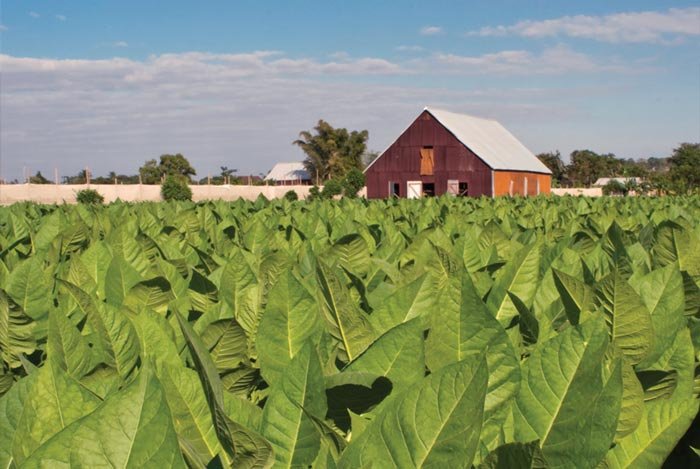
(120, 277)
(575, 295)
(52, 402)
(347, 323)
(18, 333)
(434, 424)
(115, 342)
(67, 347)
(183, 390)
(397, 355)
(461, 326)
(28, 287)
(285, 422)
(515, 456)
(238, 288)
(132, 429)
(520, 277)
(665, 419)
(243, 447)
(629, 321)
(564, 401)
(290, 319)
(661, 292)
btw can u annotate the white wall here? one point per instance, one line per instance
(52, 193)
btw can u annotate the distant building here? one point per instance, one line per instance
(601, 182)
(289, 174)
(443, 152)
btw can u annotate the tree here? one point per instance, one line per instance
(587, 166)
(556, 166)
(353, 181)
(150, 172)
(153, 172)
(176, 165)
(38, 178)
(685, 167)
(331, 152)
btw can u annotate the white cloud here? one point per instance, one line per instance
(407, 48)
(551, 61)
(61, 17)
(431, 30)
(633, 27)
(242, 109)
(34, 14)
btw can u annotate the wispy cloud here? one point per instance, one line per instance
(61, 17)
(244, 109)
(633, 27)
(34, 14)
(407, 48)
(551, 61)
(431, 30)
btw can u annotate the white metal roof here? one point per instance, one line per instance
(622, 180)
(490, 141)
(288, 172)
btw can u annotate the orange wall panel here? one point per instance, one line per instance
(517, 183)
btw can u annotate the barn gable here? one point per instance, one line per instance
(444, 152)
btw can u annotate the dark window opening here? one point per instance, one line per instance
(428, 189)
(463, 190)
(395, 189)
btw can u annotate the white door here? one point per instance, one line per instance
(453, 187)
(414, 189)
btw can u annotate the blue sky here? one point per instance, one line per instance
(110, 84)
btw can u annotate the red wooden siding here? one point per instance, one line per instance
(401, 162)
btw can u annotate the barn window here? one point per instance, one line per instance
(428, 189)
(427, 161)
(394, 189)
(463, 189)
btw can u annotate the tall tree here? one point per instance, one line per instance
(331, 152)
(39, 178)
(553, 161)
(153, 172)
(685, 167)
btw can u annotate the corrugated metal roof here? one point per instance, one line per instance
(288, 172)
(490, 141)
(622, 180)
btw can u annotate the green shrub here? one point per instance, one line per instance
(331, 188)
(353, 182)
(291, 196)
(175, 188)
(89, 197)
(614, 187)
(314, 194)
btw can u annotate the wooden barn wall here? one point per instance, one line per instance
(502, 183)
(401, 162)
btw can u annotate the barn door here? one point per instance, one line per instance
(414, 189)
(453, 187)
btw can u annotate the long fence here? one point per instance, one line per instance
(66, 193)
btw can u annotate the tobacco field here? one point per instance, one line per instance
(443, 333)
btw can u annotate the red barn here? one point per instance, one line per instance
(443, 152)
